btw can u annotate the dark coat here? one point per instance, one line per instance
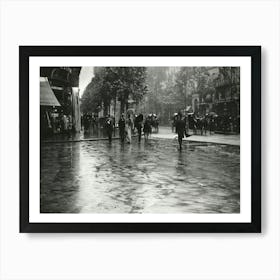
(181, 128)
(122, 124)
(147, 127)
(109, 125)
(138, 121)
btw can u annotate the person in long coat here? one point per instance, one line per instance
(180, 129)
(122, 128)
(147, 128)
(129, 126)
(109, 128)
(138, 124)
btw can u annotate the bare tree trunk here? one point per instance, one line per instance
(122, 106)
(115, 105)
(105, 112)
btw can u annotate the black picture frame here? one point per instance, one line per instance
(25, 52)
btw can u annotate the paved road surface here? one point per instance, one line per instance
(152, 177)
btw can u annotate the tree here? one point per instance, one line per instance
(156, 78)
(91, 99)
(128, 82)
(202, 84)
(185, 84)
(115, 83)
(162, 97)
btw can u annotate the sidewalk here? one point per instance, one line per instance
(166, 133)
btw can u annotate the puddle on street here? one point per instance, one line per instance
(152, 177)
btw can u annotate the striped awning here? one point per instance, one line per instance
(47, 96)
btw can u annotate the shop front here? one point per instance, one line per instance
(49, 108)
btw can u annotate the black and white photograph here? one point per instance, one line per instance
(140, 140)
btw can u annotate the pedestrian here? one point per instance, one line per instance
(155, 122)
(109, 127)
(122, 127)
(129, 126)
(64, 124)
(147, 128)
(174, 119)
(180, 129)
(211, 124)
(203, 125)
(138, 125)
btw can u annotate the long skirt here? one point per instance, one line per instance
(128, 134)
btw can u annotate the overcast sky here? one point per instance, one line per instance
(85, 78)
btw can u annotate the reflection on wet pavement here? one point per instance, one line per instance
(153, 177)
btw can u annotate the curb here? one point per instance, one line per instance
(200, 141)
(118, 138)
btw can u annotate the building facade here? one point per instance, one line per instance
(222, 93)
(64, 82)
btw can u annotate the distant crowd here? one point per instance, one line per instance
(54, 123)
(181, 123)
(200, 124)
(211, 122)
(130, 124)
(127, 125)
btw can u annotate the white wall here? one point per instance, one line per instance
(149, 256)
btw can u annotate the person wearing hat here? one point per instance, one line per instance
(122, 127)
(129, 127)
(138, 124)
(109, 128)
(181, 129)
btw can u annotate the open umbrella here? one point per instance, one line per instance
(130, 111)
(189, 109)
(213, 114)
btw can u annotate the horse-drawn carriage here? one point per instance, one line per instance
(202, 123)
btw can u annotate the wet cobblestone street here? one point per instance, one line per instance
(152, 177)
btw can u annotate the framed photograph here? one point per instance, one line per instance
(140, 139)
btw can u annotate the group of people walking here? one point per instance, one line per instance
(127, 125)
(211, 122)
(142, 125)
